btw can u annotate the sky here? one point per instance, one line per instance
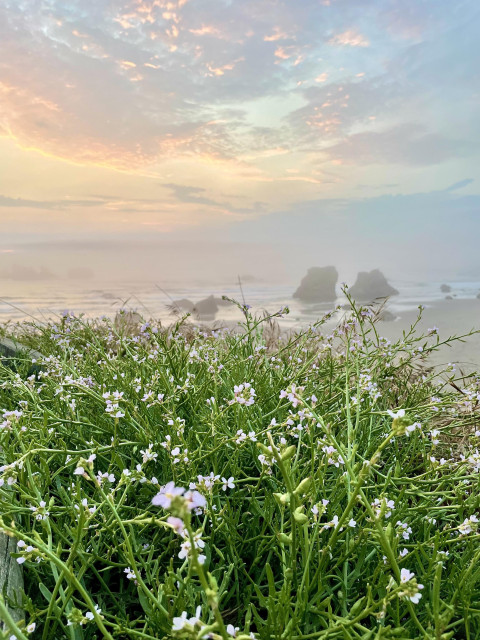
(240, 136)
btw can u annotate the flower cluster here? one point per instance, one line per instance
(383, 507)
(191, 625)
(178, 499)
(468, 525)
(244, 394)
(333, 456)
(112, 401)
(28, 552)
(77, 617)
(410, 588)
(292, 393)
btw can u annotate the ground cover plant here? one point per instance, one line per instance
(190, 483)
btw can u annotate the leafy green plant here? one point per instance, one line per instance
(191, 483)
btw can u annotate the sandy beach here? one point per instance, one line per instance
(452, 318)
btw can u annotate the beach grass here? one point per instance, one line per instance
(185, 482)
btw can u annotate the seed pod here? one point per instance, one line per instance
(289, 452)
(263, 448)
(284, 538)
(303, 487)
(300, 517)
(282, 498)
(357, 606)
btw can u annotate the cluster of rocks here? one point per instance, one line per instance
(205, 309)
(319, 285)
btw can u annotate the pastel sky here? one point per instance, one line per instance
(353, 123)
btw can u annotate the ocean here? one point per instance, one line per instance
(44, 300)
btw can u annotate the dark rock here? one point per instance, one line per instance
(478, 296)
(445, 288)
(448, 298)
(371, 285)
(183, 304)
(318, 285)
(206, 308)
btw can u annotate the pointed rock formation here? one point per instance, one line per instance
(371, 285)
(318, 285)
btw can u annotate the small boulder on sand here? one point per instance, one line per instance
(206, 308)
(371, 285)
(318, 285)
(445, 288)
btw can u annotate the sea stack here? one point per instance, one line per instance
(182, 304)
(318, 285)
(371, 285)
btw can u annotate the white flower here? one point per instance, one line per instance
(388, 505)
(180, 622)
(232, 631)
(40, 512)
(467, 525)
(412, 588)
(406, 575)
(411, 428)
(190, 624)
(166, 494)
(177, 524)
(228, 484)
(400, 414)
(148, 454)
(130, 574)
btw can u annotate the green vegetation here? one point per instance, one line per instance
(320, 485)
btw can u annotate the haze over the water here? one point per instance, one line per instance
(198, 140)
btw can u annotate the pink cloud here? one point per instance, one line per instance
(278, 34)
(349, 38)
